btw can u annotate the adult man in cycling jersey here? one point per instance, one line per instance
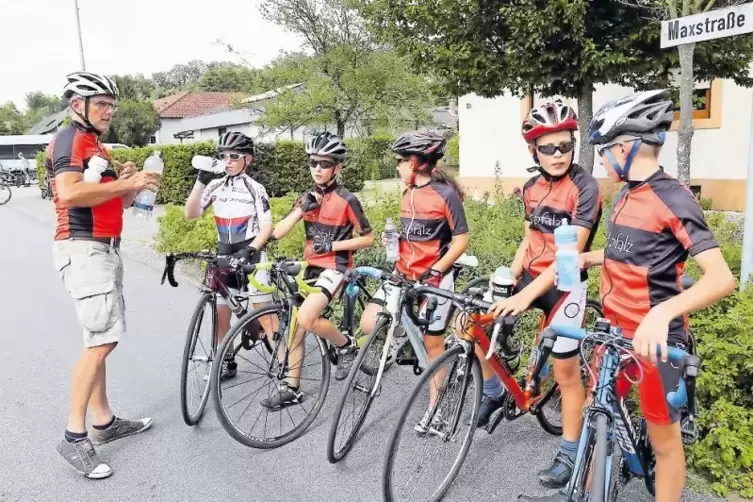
(243, 218)
(640, 291)
(561, 191)
(86, 254)
(331, 214)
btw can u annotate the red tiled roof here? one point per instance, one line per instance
(189, 103)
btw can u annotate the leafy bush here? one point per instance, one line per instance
(40, 169)
(280, 167)
(373, 156)
(724, 452)
(453, 151)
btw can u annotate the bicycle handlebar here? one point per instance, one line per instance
(689, 363)
(171, 259)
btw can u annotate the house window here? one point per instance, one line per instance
(221, 130)
(701, 103)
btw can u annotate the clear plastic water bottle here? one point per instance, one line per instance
(95, 168)
(144, 203)
(393, 245)
(566, 256)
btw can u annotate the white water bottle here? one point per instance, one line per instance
(94, 169)
(208, 164)
(566, 256)
(144, 203)
(392, 241)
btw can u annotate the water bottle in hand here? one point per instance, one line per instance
(502, 283)
(392, 244)
(96, 166)
(144, 203)
(566, 256)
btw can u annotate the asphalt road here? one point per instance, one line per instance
(172, 462)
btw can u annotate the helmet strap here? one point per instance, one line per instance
(624, 171)
(85, 116)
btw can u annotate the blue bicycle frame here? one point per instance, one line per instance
(605, 399)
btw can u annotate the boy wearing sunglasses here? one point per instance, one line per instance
(331, 215)
(561, 190)
(243, 218)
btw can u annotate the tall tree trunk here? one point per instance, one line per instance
(340, 123)
(685, 134)
(585, 114)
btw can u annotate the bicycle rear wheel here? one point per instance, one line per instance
(439, 427)
(260, 372)
(361, 384)
(196, 368)
(5, 193)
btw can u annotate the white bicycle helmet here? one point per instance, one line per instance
(646, 115)
(326, 144)
(88, 84)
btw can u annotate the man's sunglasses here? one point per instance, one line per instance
(324, 164)
(606, 146)
(550, 149)
(230, 156)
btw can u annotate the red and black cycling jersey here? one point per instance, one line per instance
(430, 215)
(574, 197)
(339, 214)
(70, 151)
(652, 228)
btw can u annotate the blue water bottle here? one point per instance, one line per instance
(566, 256)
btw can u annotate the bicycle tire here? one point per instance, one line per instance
(382, 325)
(192, 337)
(5, 187)
(394, 442)
(598, 486)
(227, 424)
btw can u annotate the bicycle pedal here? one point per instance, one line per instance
(689, 432)
(400, 361)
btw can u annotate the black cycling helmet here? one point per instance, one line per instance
(326, 144)
(236, 141)
(426, 144)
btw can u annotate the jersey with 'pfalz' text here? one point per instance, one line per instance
(430, 215)
(338, 215)
(653, 226)
(70, 151)
(574, 197)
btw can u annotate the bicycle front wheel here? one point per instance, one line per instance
(360, 391)
(432, 439)
(5, 193)
(198, 355)
(242, 402)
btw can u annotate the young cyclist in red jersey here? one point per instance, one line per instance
(562, 190)
(640, 290)
(434, 231)
(330, 214)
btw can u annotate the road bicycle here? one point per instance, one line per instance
(5, 192)
(453, 414)
(613, 447)
(394, 331)
(272, 365)
(46, 187)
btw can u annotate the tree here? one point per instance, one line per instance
(720, 58)
(136, 87)
(11, 120)
(134, 123)
(40, 105)
(523, 46)
(231, 78)
(347, 78)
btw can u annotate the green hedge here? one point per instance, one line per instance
(280, 167)
(724, 452)
(373, 154)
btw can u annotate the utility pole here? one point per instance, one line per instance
(80, 40)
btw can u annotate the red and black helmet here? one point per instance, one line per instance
(552, 116)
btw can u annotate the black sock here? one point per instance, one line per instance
(348, 342)
(294, 389)
(72, 437)
(105, 426)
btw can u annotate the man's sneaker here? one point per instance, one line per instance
(489, 404)
(555, 497)
(81, 456)
(424, 427)
(347, 356)
(120, 429)
(284, 397)
(558, 474)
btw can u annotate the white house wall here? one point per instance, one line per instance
(490, 132)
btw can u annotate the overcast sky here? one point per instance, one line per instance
(40, 44)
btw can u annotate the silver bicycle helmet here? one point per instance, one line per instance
(647, 115)
(326, 144)
(88, 84)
